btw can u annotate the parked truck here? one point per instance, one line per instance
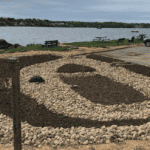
(146, 41)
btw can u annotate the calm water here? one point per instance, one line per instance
(38, 35)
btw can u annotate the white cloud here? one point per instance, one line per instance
(145, 16)
(83, 10)
(47, 2)
(120, 6)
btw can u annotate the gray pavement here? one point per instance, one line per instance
(139, 55)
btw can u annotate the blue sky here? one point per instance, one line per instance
(126, 11)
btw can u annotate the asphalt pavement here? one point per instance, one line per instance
(138, 55)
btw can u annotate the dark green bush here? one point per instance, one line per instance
(37, 79)
(16, 45)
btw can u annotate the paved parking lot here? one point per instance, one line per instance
(139, 55)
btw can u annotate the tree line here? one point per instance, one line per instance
(48, 23)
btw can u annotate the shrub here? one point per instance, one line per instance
(16, 45)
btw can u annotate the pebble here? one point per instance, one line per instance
(38, 136)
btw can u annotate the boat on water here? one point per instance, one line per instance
(134, 31)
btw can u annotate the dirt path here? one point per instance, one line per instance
(79, 50)
(126, 145)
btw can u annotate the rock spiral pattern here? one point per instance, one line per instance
(38, 136)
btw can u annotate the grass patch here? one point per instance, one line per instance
(35, 47)
(60, 48)
(103, 43)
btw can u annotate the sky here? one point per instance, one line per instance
(125, 11)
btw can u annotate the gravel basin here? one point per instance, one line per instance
(61, 98)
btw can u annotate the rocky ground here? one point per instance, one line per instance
(5, 45)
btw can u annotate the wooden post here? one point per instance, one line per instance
(16, 103)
